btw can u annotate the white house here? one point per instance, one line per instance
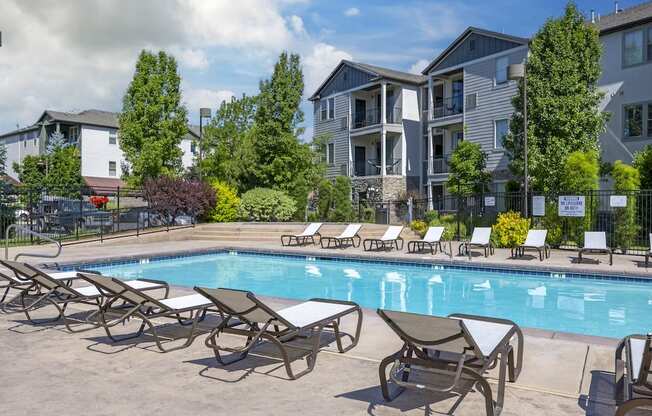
(94, 132)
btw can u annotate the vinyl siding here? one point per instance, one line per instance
(483, 46)
(493, 103)
(345, 79)
(337, 130)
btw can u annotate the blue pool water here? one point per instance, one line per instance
(612, 308)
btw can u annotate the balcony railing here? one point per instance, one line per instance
(439, 165)
(371, 167)
(448, 106)
(372, 117)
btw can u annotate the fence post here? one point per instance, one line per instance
(118, 206)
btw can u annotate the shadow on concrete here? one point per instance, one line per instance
(600, 399)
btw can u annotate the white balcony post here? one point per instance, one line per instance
(383, 150)
(431, 168)
(429, 191)
(383, 102)
(430, 101)
(403, 154)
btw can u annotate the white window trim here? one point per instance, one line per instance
(502, 148)
(644, 58)
(322, 103)
(496, 83)
(330, 111)
(116, 167)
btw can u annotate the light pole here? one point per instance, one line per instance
(516, 72)
(203, 113)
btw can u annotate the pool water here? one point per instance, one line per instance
(610, 308)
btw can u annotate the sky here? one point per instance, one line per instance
(79, 54)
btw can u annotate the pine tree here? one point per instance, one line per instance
(56, 141)
(563, 69)
(153, 119)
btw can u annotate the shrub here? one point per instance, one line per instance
(626, 179)
(552, 222)
(325, 195)
(419, 227)
(368, 214)
(431, 216)
(342, 208)
(449, 222)
(264, 204)
(226, 203)
(171, 197)
(643, 162)
(581, 173)
(510, 229)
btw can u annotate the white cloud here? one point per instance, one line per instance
(297, 25)
(193, 58)
(319, 62)
(203, 97)
(418, 66)
(352, 11)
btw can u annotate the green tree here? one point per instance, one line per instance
(31, 172)
(643, 162)
(3, 159)
(56, 141)
(227, 203)
(325, 195)
(626, 179)
(563, 69)
(468, 173)
(153, 119)
(342, 208)
(226, 141)
(581, 175)
(63, 175)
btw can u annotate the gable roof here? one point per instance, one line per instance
(632, 16)
(464, 35)
(91, 117)
(377, 72)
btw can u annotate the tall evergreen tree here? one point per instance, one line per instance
(153, 119)
(563, 69)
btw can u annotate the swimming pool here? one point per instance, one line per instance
(584, 305)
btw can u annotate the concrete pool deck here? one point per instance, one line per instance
(49, 371)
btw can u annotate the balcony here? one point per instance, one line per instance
(371, 117)
(371, 167)
(439, 165)
(449, 106)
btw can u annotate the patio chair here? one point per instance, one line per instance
(649, 253)
(481, 238)
(633, 386)
(309, 234)
(349, 235)
(10, 281)
(259, 322)
(596, 242)
(389, 240)
(140, 305)
(535, 240)
(58, 293)
(461, 348)
(432, 239)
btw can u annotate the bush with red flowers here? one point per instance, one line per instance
(99, 201)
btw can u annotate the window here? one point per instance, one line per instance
(73, 133)
(331, 108)
(330, 154)
(113, 137)
(112, 168)
(471, 101)
(424, 99)
(649, 120)
(193, 147)
(633, 48)
(324, 110)
(501, 128)
(633, 123)
(501, 69)
(649, 44)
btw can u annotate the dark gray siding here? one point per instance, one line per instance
(345, 79)
(338, 132)
(482, 46)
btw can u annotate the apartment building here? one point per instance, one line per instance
(94, 132)
(393, 132)
(626, 37)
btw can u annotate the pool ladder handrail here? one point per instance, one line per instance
(35, 234)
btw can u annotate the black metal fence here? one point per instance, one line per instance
(69, 215)
(625, 217)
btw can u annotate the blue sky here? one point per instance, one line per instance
(81, 54)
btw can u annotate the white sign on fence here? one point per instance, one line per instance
(489, 201)
(571, 206)
(539, 206)
(618, 201)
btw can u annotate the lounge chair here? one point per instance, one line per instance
(633, 387)
(596, 242)
(309, 234)
(460, 347)
(58, 293)
(10, 281)
(389, 240)
(259, 322)
(535, 240)
(481, 238)
(432, 239)
(349, 235)
(140, 305)
(649, 253)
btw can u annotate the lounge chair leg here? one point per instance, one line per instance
(382, 374)
(631, 405)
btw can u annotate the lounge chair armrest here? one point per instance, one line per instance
(160, 282)
(88, 271)
(336, 301)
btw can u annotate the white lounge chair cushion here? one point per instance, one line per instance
(433, 235)
(595, 240)
(392, 233)
(350, 231)
(310, 230)
(536, 238)
(481, 235)
(136, 284)
(487, 335)
(188, 301)
(308, 313)
(636, 348)
(55, 275)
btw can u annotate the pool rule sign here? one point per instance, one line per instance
(571, 206)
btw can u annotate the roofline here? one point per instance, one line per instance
(625, 26)
(315, 95)
(467, 32)
(20, 130)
